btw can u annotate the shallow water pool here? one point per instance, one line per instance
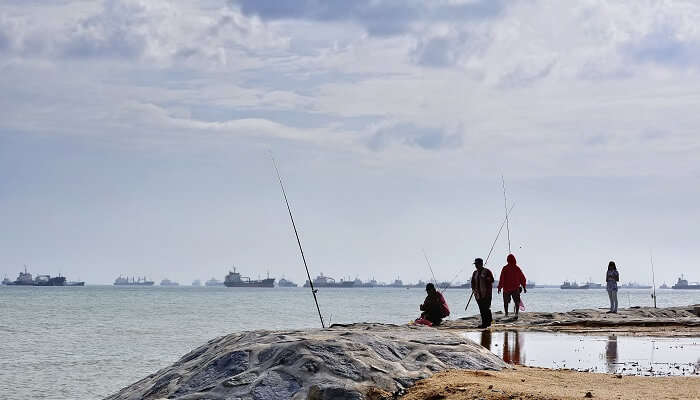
(627, 355)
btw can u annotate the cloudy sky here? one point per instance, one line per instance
(135, 137)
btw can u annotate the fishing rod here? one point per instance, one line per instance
(505, 206)
(301, 250)
(460, 271)
(431, 271)
(653, 281)
(490, 251)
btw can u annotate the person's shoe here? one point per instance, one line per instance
(609, 312)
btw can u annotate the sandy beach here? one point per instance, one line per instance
(541, 383)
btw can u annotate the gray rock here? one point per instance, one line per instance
(341, 362)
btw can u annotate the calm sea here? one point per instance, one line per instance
(88, 342)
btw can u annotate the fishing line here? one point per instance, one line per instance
(490, 251)
(505, 206)
(431, 270)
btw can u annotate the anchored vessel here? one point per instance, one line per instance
(234, 279)
(25, 279)
(140, 281)
(168, 282)
(328, 282)
(634, 285)
(683, 284)
(286, 283)
(213, 282)
(574, 285)
(196, 282)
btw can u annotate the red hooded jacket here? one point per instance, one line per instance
(512, 276)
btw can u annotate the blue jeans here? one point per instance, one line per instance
(613, 300)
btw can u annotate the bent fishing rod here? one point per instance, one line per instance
(491, 251)
(296, 233)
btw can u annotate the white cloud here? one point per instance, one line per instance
(562, 81)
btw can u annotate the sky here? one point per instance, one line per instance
(135, 137)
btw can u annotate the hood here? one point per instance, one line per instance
(511, 259)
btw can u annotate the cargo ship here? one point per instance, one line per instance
(140, 281)
(168, 282)
(322, 281)
(234, 279)
(26, 279)
(574, 285)
(634, 285)
(286, 283)
(196, 282)
(213, 282)
(683, 284)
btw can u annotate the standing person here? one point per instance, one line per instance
(511, 281)
(482, 286)
(434, 306)
(612, 277)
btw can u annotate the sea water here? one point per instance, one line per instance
(88, 342)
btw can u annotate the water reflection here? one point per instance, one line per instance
(611, 354)
(512, 350)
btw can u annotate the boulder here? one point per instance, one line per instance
(359, 361)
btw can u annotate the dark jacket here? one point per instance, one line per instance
(482, 283)
(435, 308)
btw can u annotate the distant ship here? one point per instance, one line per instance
(369, 284)
(663, 286)
(168, 282)
(530, 284)
(285, 283)
(593, 285)
(213, 282)
(124, 281)
(328, 282)
(634, 285)
(234, 279)
(683, 284)
(75, 283)
(574, 285)
(397, 283)
(196, 282)
(25, 279)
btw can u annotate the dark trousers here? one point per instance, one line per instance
(485, 310)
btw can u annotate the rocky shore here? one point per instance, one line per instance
(359, 361)
(373, 361)
(647, 321)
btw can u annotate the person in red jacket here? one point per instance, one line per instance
(434, 307)
(511, 281)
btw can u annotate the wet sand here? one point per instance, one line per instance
(540, 383)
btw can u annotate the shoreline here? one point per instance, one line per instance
(384, 361)
(634, 321)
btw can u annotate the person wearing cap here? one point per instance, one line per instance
(482, 287)
(512, 282)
